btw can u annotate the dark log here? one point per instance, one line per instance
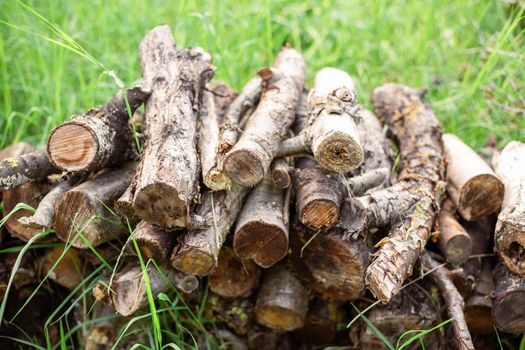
(281, 173)
(454, 241)
(261, 233)
(167, 178)
(282, 301)
(102, 334)
(262, 338)
(419, 184)
(26, 274)
(249, 159)
(321, 322)
(68, 272)
(109, 252)
(198, 250)
(86, 209)
(508, 306)
(154, 243)
(100, 138)
(236, 313)
(233, 277)
(22, 169)
(471, 184)
(478, 308)
(509, 240)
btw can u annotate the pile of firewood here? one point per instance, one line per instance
(292, 202)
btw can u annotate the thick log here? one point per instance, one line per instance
(86, 209)
(321, 322)
(282, 301)
(22, 169)
(478, 308)
(100, 138)
(129, 290)
(167, 178)
(471, 184)
(419, 184)
(236, 313)
(69, 270)
(249, 159)
(233, 277)
(454, 241)
(509, 240)
(261, 233)
(508, 306)
(154, 242)
(198, 250)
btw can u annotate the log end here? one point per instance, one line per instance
(510, 242)
(319, 213)
(265, 243)
(72, 147)
(193, 261)
(161, 205)
(217, 181)
(279, 318)
(508, 311)
(480, 196)
(459, 249)
(338, 152)
(479, 318)
(244, 167)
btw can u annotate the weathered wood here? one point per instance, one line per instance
(101, 292)
(478, 308)
(454, 241)
(198, 250)
(68, 272)
(233, 277)
(321, 322)
(100, 138)
(281, 173)
(261, 233)
(508, 306)
(249, 159)
(509, 239)
(418, 133)
(102, 334)
(262, 338)
(236, 313)
(471, 184)
(167, 178)
(86, 209)
(124, 205)
(153, 242)
(282, 301)
(22, 169)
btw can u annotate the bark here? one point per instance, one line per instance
(68, 272)
(249, 159)
(471, 184)
(478, 308)
(454, 241)
(321, 322)
(261, 233)
(124, 206)
(282, 301)
(418, 133)
(83, 213)
(129, 290)
(280, 173)
(233, 277)
(509, 239)
(100, 138)
(508, 306)
(453, 300)
(22, 169)
(198, 250)
(154, 242)
(236, 313)
(167, 178)
(102, 335)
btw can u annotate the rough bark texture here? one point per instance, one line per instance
(124, 205)
(281, 173)
(471, 184)
(454, 241)
(166, 181)
(418, 133)
(98, 139)
(282, 301)
(237, 313)
(154, 242)
(198, 250)
(68, 272)
(509, 239)
(233, 277)
(129, 289)
(22, 169)
(508, 306)
(249, 159)
(261, 233)
(85, 208)
(478, 308)
(321, 322)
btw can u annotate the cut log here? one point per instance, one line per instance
(233, 277)
(280, 173)
(478, 308)
(129, 289)
(103, 333)
(262, 338)
(198, 250)
(282, 301)
(154, 242)
(22, 169)
(509, 239)
(471, 184)
(124, 206)
(261, 233)
(167, 178)
(321, 322)
(249, 159)
(99, 138)
(236, 313)
(419, 184)
(69, 270)
(454, 241)
(508, 306)
(83, 213)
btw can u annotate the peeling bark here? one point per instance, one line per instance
(22, 169)
(508, 306)
(454, 241)
(154, 242)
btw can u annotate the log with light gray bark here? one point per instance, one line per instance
(22, 169)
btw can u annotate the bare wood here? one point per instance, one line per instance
(249, 159)
(454, 241)
(101, 292)
(99, 138)
(233, 277)
(280, 173)
(22, 169)
(478, 308)
(321, 322)
(167, 178)
(471, 184)
(282, 301)
(261, 233)
(154, 242)
(86, 207)
(68, 272)
(509, 239)
(508, 306)
(237, 313)
(198, 250)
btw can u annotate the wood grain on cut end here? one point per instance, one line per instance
(279, 318)
(338, 152)
(510, 244)
(480, 196)
(193, 262)
(265, 243)
(72, 146)
(459, 248)
(244, 167)
(320, 213)
(508, 312)
(217, 181)
(159, 204)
